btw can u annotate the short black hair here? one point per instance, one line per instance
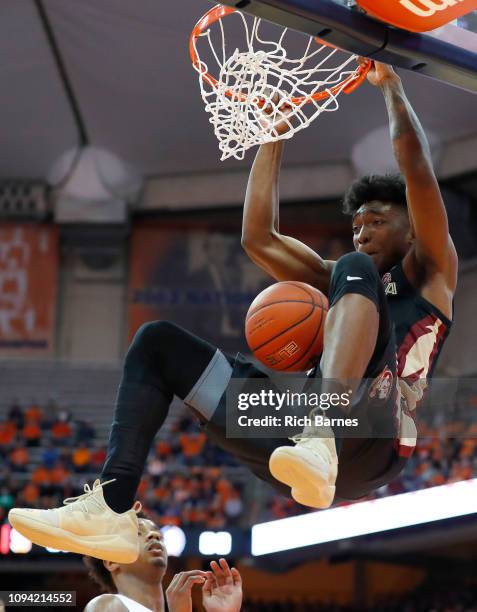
(374, 187)
(99, 574)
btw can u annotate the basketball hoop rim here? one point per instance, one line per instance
(219, 11)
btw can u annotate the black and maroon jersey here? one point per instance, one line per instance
(420, 328)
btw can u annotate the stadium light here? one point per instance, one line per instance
(18, 543)
(215, 543)
(174, 540)
(375, 516)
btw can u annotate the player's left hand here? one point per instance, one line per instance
(222, 591)
(178, 594)
(379, 73)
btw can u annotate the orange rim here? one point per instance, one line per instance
(218, 12)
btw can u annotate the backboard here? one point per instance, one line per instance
(448, 54)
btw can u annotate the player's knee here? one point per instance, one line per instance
(149, 339)
(356, 264)
(155, 333)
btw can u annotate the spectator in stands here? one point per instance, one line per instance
(50, 414)
(15, 414)
(41, 476)
(191, 447)
(84, 432)
(19, 459)
(8, 433)
(59, 475)
(81, 458)
(31, 433)
(33, 412)
(61, 432)
(6, 499)
(50, 455)
(30, 494)
(98, 457)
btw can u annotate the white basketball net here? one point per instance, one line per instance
(262, 76)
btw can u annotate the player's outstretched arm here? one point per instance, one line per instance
(283, 257)
(434, 249)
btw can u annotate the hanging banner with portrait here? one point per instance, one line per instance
(199, 278)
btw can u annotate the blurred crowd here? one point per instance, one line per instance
(48, 454)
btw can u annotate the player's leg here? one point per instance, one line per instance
(356, 329)
(163, 360)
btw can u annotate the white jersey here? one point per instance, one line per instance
(131, 605)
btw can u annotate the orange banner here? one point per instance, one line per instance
(28, 287)
(418, 15)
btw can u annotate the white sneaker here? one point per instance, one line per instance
(310, 468)
(84, 525)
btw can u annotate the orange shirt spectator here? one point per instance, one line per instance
(224, 488)
(163, 449)
(41, 475)
(34, 413)
(192, 444)
(8, 431)
(81, 457)
(143, 486)
(59, 474)
(19, 457)
(31, 493)
(98, 457)
(32, 433)
(60, 431)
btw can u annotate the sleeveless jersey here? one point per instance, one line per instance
(420, 327)
(421, 330)
(131, 605)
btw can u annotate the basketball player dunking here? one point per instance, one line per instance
(392, 295)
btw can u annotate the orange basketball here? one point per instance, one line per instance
(284, 326)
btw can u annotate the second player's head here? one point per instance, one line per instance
(380, 220)
(149, 567)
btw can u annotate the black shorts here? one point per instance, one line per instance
(365, 464)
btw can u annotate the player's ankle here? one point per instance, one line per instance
(119, 495)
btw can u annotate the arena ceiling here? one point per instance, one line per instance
(137, 95)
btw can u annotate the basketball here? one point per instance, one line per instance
(284, 326)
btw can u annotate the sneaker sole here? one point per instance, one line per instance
(310, 487)
(109, 548)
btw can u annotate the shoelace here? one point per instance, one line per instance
(88, 491)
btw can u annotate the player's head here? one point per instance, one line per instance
(150, 566)
(380, 220)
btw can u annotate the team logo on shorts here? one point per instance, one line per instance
(382, 385)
